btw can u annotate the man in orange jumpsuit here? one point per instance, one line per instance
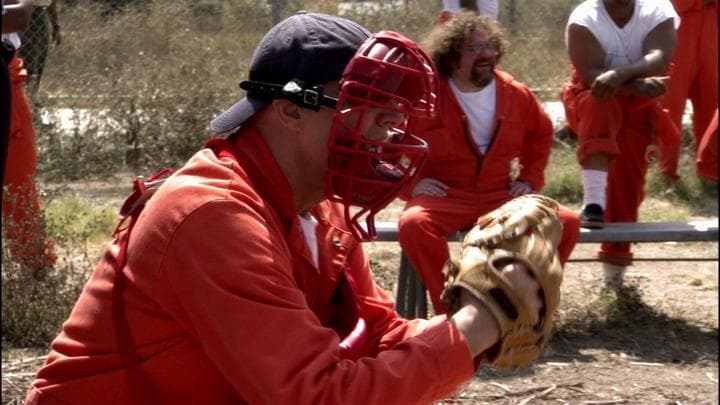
(4, 110)
(15, 18)
(22, 217)
(490, 142)
(693, 76)
(244, 280)
(620, 51)
(707, 157)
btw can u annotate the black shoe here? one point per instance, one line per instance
(592, 217)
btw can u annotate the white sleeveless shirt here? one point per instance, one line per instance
(485, 7)
(622, 45)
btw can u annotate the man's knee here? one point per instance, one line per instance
(410, 224)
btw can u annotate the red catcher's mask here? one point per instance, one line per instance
(389, 72)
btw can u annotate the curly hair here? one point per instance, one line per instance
(446, 41)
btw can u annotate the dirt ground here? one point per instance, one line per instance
(654, 343)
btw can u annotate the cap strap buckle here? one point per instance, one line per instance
(294, 90)
(311, 97)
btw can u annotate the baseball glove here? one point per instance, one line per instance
(526, 229)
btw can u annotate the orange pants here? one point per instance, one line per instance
(623, 128)
(707, 156)
(22, 218)
(693, 76)
(426, 223)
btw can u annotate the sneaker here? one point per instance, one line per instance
(592, 216)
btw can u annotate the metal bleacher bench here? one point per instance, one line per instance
(411, 301)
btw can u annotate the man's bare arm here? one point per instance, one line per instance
(586, 54)
(642, 77)
(658, 48)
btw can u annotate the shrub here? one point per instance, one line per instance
(145, 79)
(34, 306)
(35, 303)
(143, 89)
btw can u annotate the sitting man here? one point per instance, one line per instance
(242, 280)
(620, 51)
(489, 143)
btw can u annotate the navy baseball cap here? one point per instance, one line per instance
(307, 49)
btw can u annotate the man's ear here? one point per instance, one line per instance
(288, 113)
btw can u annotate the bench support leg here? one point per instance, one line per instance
(411, 301)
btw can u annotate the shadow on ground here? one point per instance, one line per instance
(622, 322)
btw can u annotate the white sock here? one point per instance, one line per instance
(594, 184)
(613, 275)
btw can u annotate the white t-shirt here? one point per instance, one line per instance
(479, 107)
(485, 7)
(489, 8)
(622, 45)
(308, 223)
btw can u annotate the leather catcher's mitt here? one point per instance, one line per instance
(526, 229)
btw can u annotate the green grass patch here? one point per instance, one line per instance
(562, 176)
(71, 219)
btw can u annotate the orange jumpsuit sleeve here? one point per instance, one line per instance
(538, 143)
(682, 6)
(236, 293)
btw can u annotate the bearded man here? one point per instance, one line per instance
(489, 143)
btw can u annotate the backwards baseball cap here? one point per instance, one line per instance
(295, 57)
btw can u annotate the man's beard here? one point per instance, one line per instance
(482, 78)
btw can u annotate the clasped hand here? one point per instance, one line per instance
(606, 84)
(649, 87)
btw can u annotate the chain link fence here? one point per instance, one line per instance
(135, 83)
(43, 31)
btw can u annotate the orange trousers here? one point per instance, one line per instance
(426, 223)
(22, 217)
(624, 127)
(693, 76)
(707, 156)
